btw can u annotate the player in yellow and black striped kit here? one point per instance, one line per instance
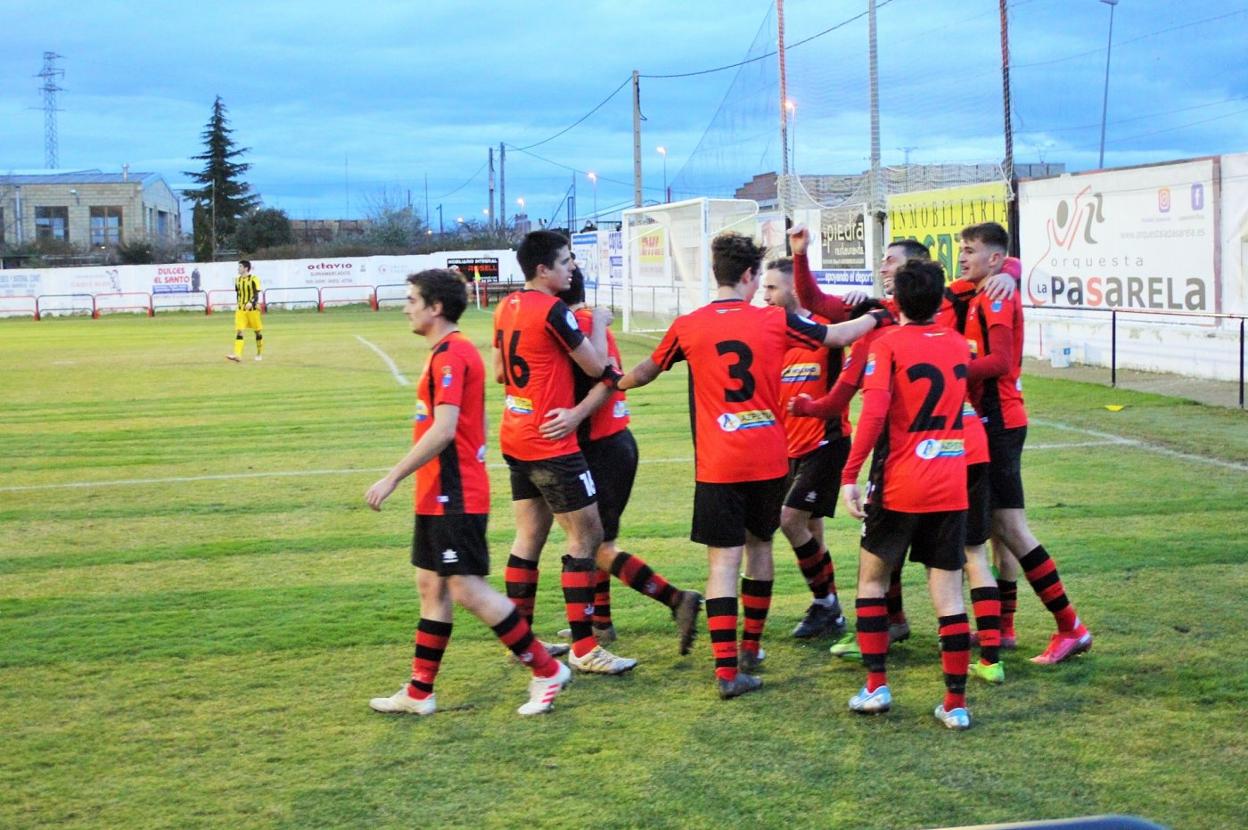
(247, 310)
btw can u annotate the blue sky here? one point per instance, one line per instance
(347, 106)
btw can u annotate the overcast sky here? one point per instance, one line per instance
(348, 105)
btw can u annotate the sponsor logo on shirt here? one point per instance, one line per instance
(938, 448)
(422, 411)
(800, 372)
(518, 405)
(749, 419)
(968, 411)
(620, 410)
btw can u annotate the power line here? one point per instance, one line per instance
(1131, 40)
(466, 183)
(580, 120)
(1138, 117)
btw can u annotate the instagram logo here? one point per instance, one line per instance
(1163, 200)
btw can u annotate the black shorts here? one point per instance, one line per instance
(979, 501)
(564, 482)
(934, 539)
(722, 513)
(451, 545)
(613, 462)
(815, 479)
(1005, 469)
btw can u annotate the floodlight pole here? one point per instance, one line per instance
(1109, 45)
(636, 139)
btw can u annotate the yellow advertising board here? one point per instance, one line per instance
(936, 217)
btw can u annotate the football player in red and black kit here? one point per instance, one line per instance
(911, 422)
(452, 500)
(535, 334)
(600, 420)
(735, 352)
(995, 327)
(817, 450)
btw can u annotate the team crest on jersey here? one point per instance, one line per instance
(448, 377)
(799, 372)
(974, 347)
(870, 370)
(422, 411)
(518, 405)
(938, 448)
(749, 419)
(996, 305)
(620, 410)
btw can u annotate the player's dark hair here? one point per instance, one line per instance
(539, 248)
(575, 292)
(918, 287)
(869, 304)
(439, 285)
(246, 263)
(990, 234)
(913, 248)
(784, 265)
(732, 254)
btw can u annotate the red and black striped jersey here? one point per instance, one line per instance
(913, 391)
(999, 400)
(455, 481)
(736, 354)
(811, 371)
(612, 416)
(534, 332)
(976, 437)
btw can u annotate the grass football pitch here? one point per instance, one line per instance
(196, 606)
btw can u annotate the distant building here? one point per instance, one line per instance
(326, 230)
(88, 208)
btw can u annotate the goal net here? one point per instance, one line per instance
(667, 256)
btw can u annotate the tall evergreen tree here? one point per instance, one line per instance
(224, 197)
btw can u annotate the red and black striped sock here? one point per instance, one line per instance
(896, 611)
(518, 636)
(816, 567)
(1041, 572)
(755, 603)
(602, 599)
(721, 621)
(1009, 605)
(577, 579)
(873, 639)
(636, 574)
(955, 657)
(986, 604)
(520, 580)
(431, 639)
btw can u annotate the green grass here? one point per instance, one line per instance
(198, 651)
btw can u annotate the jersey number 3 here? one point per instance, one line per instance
(738, 371)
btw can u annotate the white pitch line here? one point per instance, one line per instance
(1146, 446)
(394, 370)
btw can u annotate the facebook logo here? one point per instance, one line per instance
(1198, 196)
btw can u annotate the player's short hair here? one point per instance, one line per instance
(539, 248)
(919, 287)
(441, 285)
(990, 234)
(732, 253)
(782, 264)
(867, 305)
(914, 249)
(246, 263)
(575, 292)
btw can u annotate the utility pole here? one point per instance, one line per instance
(490, 213)
(441, 231)
(502, 186)
(877, 184)
(426, 201)
(784, 92)
(572, 208)
(1008, 164)
(50, 73)
(636, 141)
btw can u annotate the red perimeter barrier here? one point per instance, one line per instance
(125, 298)
(9, 306)
(230, 300)
(170, 300)
(400, 298)
(42, 307)
(371, 298)
(314, 300)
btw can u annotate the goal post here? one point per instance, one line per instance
(667, 256)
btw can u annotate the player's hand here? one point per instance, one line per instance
(603, 314)
(853, 298)
(1000, 287)
(559, 423)
(795, 403)
(379, 492)
(799, 239)
(853, 500)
